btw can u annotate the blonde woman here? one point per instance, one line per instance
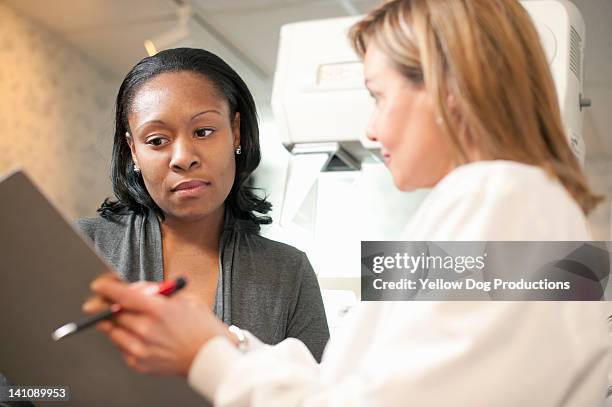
(465, 104)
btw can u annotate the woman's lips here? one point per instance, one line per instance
(190, 188)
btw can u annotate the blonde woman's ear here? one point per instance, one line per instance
(453, 108)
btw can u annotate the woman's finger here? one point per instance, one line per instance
(95, 304)
(145, 286)
(108, 276)
(129, 298)
(127, 342)
(138, 324)
(104, 326)
(133, 363)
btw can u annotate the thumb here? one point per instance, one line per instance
(135, 299)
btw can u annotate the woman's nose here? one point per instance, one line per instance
(184, 154)
(370, 131)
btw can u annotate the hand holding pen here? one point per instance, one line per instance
(167, 288)
(155, 334)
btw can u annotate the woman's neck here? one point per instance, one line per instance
(203, 232)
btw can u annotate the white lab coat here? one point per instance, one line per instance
(441, 353)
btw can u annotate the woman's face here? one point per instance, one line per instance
(413, 145)
(183, 141)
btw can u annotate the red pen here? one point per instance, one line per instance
(167, 288)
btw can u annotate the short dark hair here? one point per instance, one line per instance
(130, 191)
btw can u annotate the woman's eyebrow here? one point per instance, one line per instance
(157, 121)
(150, 122)
(206, 111)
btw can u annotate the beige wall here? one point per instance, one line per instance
(56, 112)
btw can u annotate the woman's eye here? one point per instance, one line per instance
(156, 141)
(203, 133)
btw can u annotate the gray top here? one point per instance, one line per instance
(266, 287)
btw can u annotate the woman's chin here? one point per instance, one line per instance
(404, 183)
(192, 213)
(410, 184)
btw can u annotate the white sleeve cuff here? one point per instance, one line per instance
(211, 365)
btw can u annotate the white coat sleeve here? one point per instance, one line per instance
(280, 375)
(476, 354)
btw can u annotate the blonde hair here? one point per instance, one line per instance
(487, 55)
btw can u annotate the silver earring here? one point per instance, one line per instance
(136, 169)
(238, 149)
(439, 121)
